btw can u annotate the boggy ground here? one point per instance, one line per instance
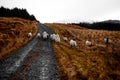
(96, 62)
(13, 34)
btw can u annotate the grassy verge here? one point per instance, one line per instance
(13, 34)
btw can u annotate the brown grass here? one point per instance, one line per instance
(96, 62)
(13, 34)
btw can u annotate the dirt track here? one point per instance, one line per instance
(35, 61)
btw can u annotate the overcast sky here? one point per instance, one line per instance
(68, 10)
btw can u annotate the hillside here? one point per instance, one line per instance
(13, 34)
(96, 62)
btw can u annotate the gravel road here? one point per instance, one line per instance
(35, 61)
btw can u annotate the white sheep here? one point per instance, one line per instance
(45, 35)
(73, 43)
(38, 35)
(57, 38)
(29, 35)
(65, 38)
(88, 43)
(52, 36)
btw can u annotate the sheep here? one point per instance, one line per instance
(65, 38)
(29, 35)
(88, 43)
(38, 35)
(57, 38)
(52, 36)
(73, 43)
(45, 35)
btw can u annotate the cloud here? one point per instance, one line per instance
(54, 10)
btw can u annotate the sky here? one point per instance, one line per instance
(68, 10)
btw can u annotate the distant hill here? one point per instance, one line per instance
(103, 25)
(112, 21)
(16, 12)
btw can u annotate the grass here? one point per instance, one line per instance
(96, 62)
(13, 34)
